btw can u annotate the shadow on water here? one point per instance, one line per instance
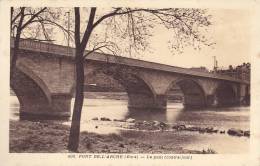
(147, 114)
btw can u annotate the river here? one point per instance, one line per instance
(103, 105)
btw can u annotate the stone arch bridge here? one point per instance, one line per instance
(45, 78)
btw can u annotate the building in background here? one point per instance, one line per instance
(240, 72)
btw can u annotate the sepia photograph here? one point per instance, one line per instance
(112, 81)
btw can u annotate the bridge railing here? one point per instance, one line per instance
(28, 44)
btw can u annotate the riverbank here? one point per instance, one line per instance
(52, 137)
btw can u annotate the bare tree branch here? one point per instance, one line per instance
(106, 16)
(89, 28)
(77, 26)
(33, 17)
(93, 50)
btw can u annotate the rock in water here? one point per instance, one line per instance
(235, 132)
(156, 123)
(121, 145)
(222, 132)
(247, 133)
(95, 118)
(179, 127)
(209, 129)
(162, 124)
(105, 119)
(119, 120)
(193, 128)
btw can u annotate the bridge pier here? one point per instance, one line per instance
(214, 101)
(36, 101)
(193, 101)
(58, 109)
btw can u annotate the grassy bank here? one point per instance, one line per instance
(52, 137)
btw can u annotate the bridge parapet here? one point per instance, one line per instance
(27, 44)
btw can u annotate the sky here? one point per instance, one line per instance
(230, 31)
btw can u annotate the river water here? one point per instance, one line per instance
(221, 118)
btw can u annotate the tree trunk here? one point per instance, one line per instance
(75, 124)
(15, 53)
(79, 60)
(16, 43)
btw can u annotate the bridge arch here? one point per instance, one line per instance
(24, 69)
(140, 92)
(225, 95)
(194, 95)
(30, 90)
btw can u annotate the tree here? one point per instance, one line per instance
(133, 26)
(18, 24)
(35, 24)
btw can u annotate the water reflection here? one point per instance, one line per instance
(112, 109)
(147, 115)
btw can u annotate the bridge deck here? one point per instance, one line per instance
(59, 50)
